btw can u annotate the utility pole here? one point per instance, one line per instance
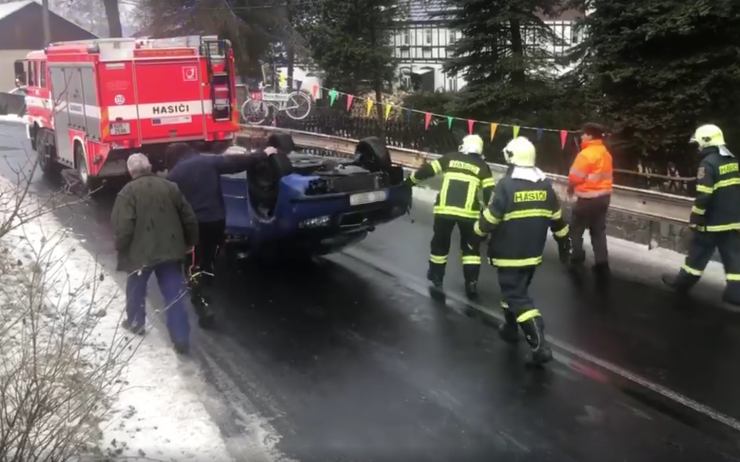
(45, 20)
(291, 45)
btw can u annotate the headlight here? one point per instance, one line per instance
(316, 222)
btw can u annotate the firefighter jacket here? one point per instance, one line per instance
(524, 206)
(464, 175)
(717, 204)
(591, 174)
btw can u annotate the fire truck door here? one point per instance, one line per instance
(61, 80)
(171, 101)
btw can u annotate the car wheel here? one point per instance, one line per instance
(372, 154)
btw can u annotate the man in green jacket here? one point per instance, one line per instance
(154, 226)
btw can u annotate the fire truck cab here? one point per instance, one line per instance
(90, 104)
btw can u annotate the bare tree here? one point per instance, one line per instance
(114, 18)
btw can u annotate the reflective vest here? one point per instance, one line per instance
(716, 207)
(592, 174)
(518, 218)
(464, 176)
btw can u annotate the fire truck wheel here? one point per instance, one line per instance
(45, 150)
(93, 184)
(372, 154)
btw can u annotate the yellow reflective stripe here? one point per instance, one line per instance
(413, 178)
(704, 189)
(563, 232)
(733, 277)
(527, 315)
(490, 218)
(504, 305)
(697, 210)
(557, 215)
(443, 192)
(436, 166)
(692, 271)
(516, 262)
(455, 211)
(472, 197)
(599, 176)
(438, 259)
(725, 183)
(720, 228)
(465, 177)
(471, 260)
(488, 183)
(531, 213)
(477, 230)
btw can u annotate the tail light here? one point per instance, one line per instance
(120, 128)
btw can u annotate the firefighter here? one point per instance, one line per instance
(465, 176)
(524, 206)
(590, 178)
(715, 216)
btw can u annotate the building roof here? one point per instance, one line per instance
(6, 9)
(434, 10)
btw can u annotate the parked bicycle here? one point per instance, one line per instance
(263, 104)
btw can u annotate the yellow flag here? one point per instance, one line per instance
(388, 109)
(493, 130)
(369, 105)
(516, 130)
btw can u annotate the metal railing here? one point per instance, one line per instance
(653, 205)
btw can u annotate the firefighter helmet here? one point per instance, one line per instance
(708, 135)
(472, 144)
(520, 152)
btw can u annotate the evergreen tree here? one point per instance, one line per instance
(662, 67)
(503, 57)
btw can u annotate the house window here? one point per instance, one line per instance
(575, 35)
(405, 53)
(427, 52)
(453, 37)
(428, 35)
(406, 37)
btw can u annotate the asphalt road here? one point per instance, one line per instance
(348, 358)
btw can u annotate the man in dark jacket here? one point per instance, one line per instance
(154, 226)
(199, 178)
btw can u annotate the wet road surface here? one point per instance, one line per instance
(348, 358)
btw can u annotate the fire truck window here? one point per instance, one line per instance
(42, 75)
(32, 73)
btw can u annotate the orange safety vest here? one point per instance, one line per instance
(591, 174)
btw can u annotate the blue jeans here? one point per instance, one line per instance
(174, 290)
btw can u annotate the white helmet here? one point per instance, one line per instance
(520, 152)
(708, 135)
(471, 144)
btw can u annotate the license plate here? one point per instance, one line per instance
(368, 197)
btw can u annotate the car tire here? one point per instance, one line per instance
(372, 154)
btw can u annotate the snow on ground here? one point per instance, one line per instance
(11, 118)
(156, 414)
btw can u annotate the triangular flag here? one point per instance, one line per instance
(315, 91)
(493, 130)
(471, 126)
(427, 120)
(350, 99)
(333, 96)
(516, 130)
(540, 132)
(388, 109)
(369, 106)
(449, 122)
(563, 138)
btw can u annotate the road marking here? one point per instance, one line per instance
(571, 350)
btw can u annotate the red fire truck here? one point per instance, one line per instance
(90, 104)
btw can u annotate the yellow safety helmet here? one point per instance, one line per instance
(520, 152)
(471, 144)
(708, 135)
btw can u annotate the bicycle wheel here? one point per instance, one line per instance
(255, 112)
(298, 106)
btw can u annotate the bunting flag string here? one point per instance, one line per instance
(388, 106)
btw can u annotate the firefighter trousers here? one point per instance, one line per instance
(590, 214)
(517, 304)
(469, 247)
(700, 252)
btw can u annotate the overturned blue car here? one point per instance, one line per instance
(297, 204)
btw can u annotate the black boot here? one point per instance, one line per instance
(471, 289)
(509, 330)
(674, 282)
(534, 332)
(601, 270)
(435, 279)
(206, 315)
